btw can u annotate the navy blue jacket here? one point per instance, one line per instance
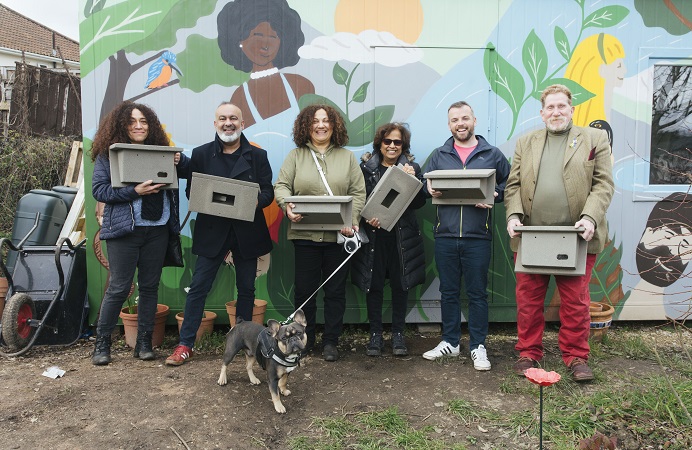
(467, 220)
(118, 213)
(210, 231)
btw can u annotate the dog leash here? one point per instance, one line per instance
(351, 253)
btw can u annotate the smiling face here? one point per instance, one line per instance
(138, 128)
(613, 73)
(462, 124)
(261, 46)
(321, 131)
(391, 152)
(557, 112)
(228, 123)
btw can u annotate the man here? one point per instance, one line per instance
(560, 176)
(463, 237)
(228, 155)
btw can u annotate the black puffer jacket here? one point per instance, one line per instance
(408, 236)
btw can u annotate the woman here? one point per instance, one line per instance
(262, 37)
(136, 223)
(319, 133)
(399, 252)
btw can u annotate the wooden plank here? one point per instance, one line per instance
(75, 217)
(74, 166)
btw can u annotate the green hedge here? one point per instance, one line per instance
(29, 162)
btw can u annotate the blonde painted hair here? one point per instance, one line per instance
(588, 57)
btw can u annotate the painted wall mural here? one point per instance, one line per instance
(627, 62)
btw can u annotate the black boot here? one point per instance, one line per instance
(143, 348)
(102, 351)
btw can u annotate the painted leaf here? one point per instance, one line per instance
(361, 93)
(579, 94)
(361, 130)
(605, 17)
(339, 74)
(201, 60)
(562, 43)
(675, 18)
(535, 58)
(315, 99)
(504, 79)
(606, 279)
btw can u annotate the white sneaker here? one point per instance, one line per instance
(480, 358)
(442, 349)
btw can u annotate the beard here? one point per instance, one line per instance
(557, 124)
(228, 138)
(469, 134)
(658, 265)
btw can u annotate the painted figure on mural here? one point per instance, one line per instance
(598, 65)
(561, 176)
(261, 37)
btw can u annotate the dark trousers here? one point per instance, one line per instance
(386, 262)
(470, 258)
(203, 279)
(313, 264)
(143, 249)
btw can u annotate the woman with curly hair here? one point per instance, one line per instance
(137, 220)
(261, 37)
(319, 133)
(398, 253)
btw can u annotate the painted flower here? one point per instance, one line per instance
(541, 377)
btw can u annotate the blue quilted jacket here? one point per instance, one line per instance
(118, 213)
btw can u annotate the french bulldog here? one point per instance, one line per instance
(277, 348)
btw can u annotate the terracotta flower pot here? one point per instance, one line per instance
(206, 327)
(130, 325)
(600, 320)
(258, 310)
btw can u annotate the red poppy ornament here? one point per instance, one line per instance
(541, 377)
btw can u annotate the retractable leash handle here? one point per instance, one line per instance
(351, 245)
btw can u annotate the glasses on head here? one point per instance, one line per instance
(396, 142)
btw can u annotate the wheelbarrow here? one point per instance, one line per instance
(46, 291)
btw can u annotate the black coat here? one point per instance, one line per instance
(210, 231)
(408, 237)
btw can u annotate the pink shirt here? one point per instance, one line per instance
(464, 152)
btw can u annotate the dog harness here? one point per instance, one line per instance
(267, 349)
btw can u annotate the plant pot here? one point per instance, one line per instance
(206, 327)
(258, 310)
(600, 320)
(3, 294)
(130, 325)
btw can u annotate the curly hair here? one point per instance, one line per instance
(387, 128)
(303, 126)
(113, 128)
(238, 18)
(556, 89)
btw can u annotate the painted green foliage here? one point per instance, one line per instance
(137, 28)
(606, 279)
(674, 17)
(361, 129)
(508, 82)
(202, 61)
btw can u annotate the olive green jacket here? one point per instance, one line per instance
(587, 173)
(299, 176)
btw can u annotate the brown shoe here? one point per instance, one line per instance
(580, 370)
(523, 364)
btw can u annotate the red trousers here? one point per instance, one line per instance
(573, 337)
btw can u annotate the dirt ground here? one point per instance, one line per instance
(137, 404)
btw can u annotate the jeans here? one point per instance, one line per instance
(314, 263)
(203, 279)
(470, 258)
(143, 249)
(573, 337)
(386, 261)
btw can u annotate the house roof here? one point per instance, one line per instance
(18, 32)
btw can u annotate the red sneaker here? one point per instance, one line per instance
(180, 355)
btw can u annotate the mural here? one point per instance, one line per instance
(626, 61)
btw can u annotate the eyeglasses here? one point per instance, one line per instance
(396, 142)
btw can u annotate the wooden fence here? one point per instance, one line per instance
(45, 102)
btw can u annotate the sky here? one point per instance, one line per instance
(59, 15)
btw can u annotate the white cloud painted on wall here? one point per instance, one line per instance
(360, 49)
